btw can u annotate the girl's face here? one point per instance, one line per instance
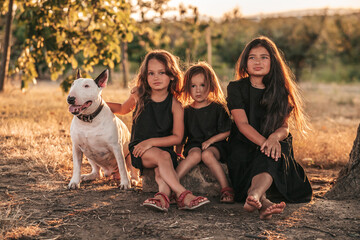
(156, 75)
(199, 90)
(258, 63)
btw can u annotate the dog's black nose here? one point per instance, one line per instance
(71, 100)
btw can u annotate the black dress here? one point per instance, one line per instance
(246, 160)
(204, 123)
(156, 120)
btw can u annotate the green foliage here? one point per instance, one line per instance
(57, 36)
(68, 81)
(71, 34)
(348, 45)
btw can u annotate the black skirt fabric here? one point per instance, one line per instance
(289, 179)
(137, 162)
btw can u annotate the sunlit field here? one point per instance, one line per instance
(34, 130)
(35, 125)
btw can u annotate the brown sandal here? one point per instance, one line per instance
(195, 203)
(227, 192)
(155, 203)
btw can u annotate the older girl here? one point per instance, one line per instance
(262, 102)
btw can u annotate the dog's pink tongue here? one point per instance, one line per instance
(73, 108)
(85, 105)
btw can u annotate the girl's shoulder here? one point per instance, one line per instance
(176, 103)
(239, 82)
(237, 87)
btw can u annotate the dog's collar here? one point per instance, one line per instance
(89, 118)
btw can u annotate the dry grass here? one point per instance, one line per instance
(334, 115)
(35, 127)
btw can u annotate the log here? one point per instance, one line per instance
(199, 180)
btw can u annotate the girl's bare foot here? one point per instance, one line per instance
(269, 208)
(252, 203)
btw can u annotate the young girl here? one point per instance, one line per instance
(207, 125)
(158, 126)
(262, 102)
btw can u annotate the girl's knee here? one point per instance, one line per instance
(165, 155)
(207, 156)
(164, 158)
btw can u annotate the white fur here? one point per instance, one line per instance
(104, 141)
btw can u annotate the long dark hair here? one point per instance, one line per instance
(281, 98)
(172, 69)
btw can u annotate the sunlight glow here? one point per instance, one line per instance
(256, 7)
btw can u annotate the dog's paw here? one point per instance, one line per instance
(125, 186)
(73, 185)
(89, 177)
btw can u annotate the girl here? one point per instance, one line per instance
(158, 126)
(262, 102)
(207, 125)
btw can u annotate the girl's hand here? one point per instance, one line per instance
(141, 148)
(271, 148)
(205, 145)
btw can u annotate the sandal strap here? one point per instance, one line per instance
(165, 197)
(197, 200)
(180, 200)
(227, 190)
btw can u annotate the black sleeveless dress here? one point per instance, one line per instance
(204, 123)
(156, 120)
(246, 160)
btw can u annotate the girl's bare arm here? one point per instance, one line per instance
(125, 107)
(215, 138)
(245, 128)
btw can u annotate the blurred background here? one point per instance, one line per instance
(46, 40)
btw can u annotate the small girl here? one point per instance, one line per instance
(157, 127)
(207, 125)
(262, 102)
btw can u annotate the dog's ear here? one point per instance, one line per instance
(78, 73)
(102, 79)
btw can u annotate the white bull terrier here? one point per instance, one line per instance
(96, 132)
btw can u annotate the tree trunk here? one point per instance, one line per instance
(125, 63)
(7, 47)
(209, 46)
(348, 183)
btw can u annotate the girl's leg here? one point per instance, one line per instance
(163, 188)
(192, 159)
(259, 185)
(211, 157)
(157, 158)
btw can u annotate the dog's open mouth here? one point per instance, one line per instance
(76, 109)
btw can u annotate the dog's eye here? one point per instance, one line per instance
(86, 86)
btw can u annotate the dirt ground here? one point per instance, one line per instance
(39, 206)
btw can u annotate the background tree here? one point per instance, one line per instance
(5, 57)
(347, 184)
(71, 34)
(347, 44)
(296, 38)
